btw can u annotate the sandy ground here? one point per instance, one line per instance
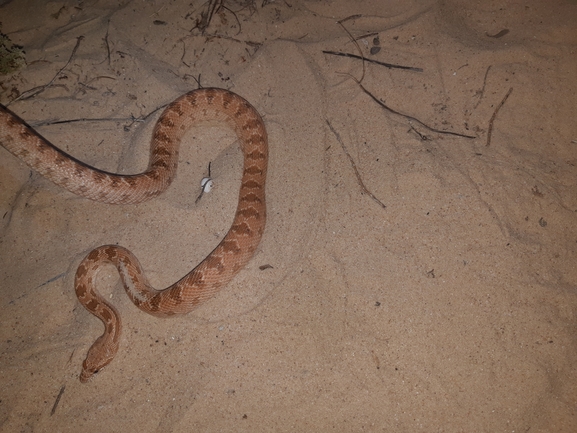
(454, 308)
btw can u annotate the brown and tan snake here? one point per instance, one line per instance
(217, 269)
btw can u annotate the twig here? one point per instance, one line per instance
(423, 136)
(36, 90)
(108, 45)
(350, 17)
(378, 101)
(482, 91)
(58, 397)
(206, 16)
(359, 179)
(251, 44)
(131, 119)
(199, 86)
(235, 17)
(205, 187)
(382, 104)
(388, 65)
(87, 119)
(340, 23)
(367, 35)
(490, 130)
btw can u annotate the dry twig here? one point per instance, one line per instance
(359, 179)
(36, 90)
(378, 101)
(490, 130)
(58, 397)
(340, 23)
(482, 91)
(382, 104)
(388, 65)
(206, 15)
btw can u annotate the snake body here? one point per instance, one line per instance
(217, 269)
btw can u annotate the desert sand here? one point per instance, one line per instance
(408, 279)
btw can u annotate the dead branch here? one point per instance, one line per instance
(382, 104)
(490, 130)
(388, 65)
(37, 90)
(357, 174)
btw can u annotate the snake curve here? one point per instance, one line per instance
(217, 269)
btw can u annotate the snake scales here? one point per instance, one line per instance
(216, 270)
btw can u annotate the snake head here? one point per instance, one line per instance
(90, 368)
(87, 373)
(99, 356)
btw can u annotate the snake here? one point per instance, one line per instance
(216, 270)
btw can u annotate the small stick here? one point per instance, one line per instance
(251, 44)
(382, 104)
(206, 16)
(482, 91)
(205, 187)
(340, 23)
(57, 400)
(235, 17)
(368, 35)
(350, 17)
(36, 90)
(490, 130)
(359, 179)
(95, 119)
(388, 65)
(108, 45)
(423, 136)
(131, 119)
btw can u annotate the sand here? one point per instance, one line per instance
(452, 308)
